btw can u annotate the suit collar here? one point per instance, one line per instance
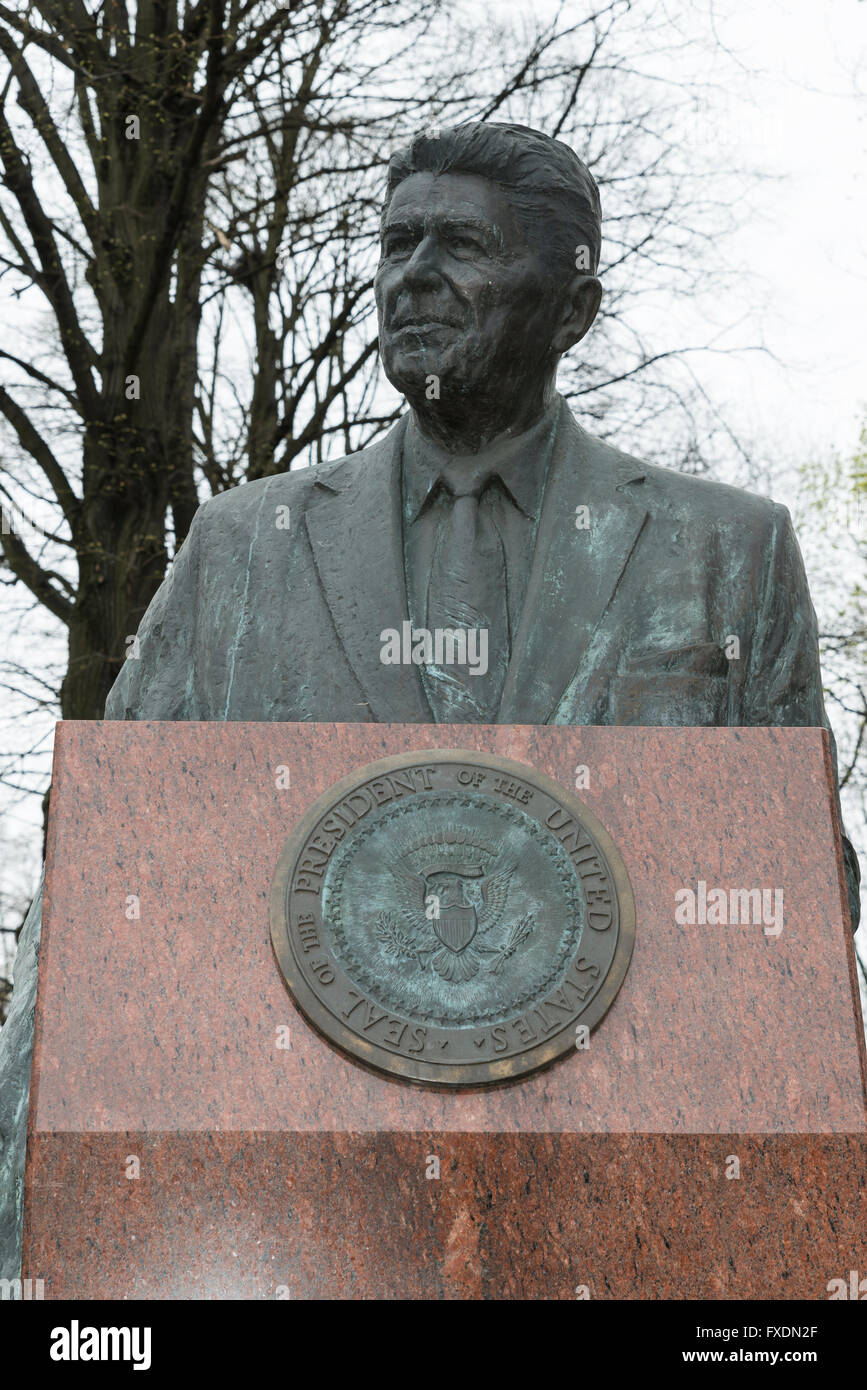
(354, 525)
(575, 572)
(520, 463)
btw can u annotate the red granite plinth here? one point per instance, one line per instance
(177, 1150)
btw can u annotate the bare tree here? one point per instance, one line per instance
(120, 270)
(189, 207)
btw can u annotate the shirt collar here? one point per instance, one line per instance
(519, 462)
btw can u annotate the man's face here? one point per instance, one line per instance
(460, 294)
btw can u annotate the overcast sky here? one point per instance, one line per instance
(794, 109)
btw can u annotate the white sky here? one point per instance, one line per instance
(795, 109)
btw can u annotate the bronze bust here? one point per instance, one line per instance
(487, 560)
(608, 591)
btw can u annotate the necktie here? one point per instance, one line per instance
(467, 598)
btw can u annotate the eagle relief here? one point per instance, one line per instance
(451, 917)
(453, 898)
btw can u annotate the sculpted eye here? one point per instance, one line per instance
(398, 244)
(465, 243)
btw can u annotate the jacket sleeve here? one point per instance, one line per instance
(158, 678)
(784, 680)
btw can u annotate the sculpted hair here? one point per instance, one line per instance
(554, 194)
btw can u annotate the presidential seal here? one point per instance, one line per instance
(452, 917)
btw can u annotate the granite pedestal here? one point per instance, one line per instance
(190, 1136)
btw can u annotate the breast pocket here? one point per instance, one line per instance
(678, 685)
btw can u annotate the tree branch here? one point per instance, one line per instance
(32, 101)
(38, 580)
(53, 281)
(36, 447)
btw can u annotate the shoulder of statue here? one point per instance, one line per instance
(284, 497)
(344, 472)
(695, 498)
(244, 500)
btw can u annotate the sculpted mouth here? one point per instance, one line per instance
(418, 325)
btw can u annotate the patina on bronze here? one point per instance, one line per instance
(452, 917)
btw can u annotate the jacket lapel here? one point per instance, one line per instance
(574, 573)
(356, 532)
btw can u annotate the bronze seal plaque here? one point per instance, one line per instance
(452, 917)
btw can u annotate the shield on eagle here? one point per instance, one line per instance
(455, 921)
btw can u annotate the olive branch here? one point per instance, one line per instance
(519, 933)
(394, 940)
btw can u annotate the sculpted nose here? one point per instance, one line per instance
(422, 271)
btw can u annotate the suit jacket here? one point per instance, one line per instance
(624, 622)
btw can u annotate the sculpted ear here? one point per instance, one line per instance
(580, 306)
